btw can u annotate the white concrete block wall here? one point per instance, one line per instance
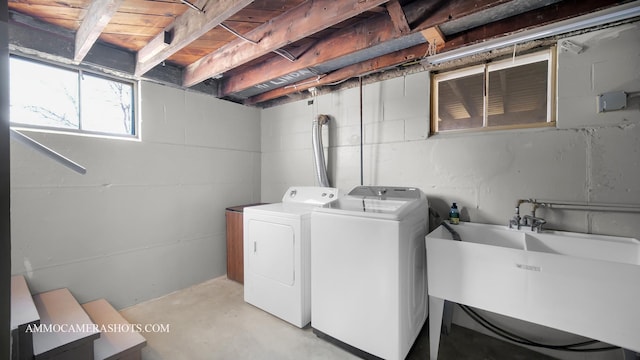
(148, 217)
(587, 157)
(610, 62)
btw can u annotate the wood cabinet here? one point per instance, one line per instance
(235, 256)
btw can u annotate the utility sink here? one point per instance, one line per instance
(580, 283)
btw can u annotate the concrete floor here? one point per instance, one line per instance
(211, 321)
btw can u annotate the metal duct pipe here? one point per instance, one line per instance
(318, 150)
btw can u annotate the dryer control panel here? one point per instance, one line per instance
(315, 195)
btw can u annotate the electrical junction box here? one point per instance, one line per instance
(612, 101)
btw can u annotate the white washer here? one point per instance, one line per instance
(368, 259)
(276, 253)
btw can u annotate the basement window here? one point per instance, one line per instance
(507, 94)
(56, 98)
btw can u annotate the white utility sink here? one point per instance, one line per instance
(580, 283)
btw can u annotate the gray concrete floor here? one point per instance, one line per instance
(211, 321)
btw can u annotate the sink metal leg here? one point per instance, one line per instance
(447, 317)
(436, 308)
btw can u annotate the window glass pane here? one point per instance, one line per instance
(460, 102)
(518, 95)
(106, 105)
(43, 95)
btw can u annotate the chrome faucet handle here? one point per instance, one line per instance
(515, 221)
(536, 224)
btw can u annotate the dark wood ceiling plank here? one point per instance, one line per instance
(191, 25)
(158, 8)
(141, 20)
(129, 42)
(422, 14)
(304, 20)
(346, 41)
(48, 13)
(127, 30)
(98, 16)
(254, 15)
(359, 69)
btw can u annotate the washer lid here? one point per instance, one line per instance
(313, 195)
(382, 202)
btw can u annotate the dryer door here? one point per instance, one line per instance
(271, 250)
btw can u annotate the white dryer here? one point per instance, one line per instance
(277, 254)
(368, 259)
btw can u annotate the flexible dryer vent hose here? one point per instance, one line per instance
(318, 150)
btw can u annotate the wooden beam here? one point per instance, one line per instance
(188, 27)
(397, 17)
(346, 41)
(157, 44)
(365, 67)
(304, 20)
(434, 36)
(98, 16)
(349, 40)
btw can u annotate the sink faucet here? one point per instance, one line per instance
(528, 220)
(536, 222)
(515, 221)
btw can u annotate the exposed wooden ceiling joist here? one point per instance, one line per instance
(98, 16)
(330, 41)
(397, 17)
(187, 28)
(300, 22)
(358, 37)
(359, 69)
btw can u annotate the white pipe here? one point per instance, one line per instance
(318, 150)
(577, 205)
(589, 206)
(612, 14)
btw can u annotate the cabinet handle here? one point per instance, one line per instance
(255, 246)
